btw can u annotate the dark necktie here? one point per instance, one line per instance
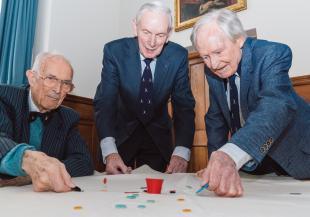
(234, 105)
(146, 89)
(44, 116)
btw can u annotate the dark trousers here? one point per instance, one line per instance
(139, 149)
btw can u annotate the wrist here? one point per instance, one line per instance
(30, 158)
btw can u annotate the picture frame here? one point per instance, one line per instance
(187, 12)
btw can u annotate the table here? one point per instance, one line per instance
(264, 196)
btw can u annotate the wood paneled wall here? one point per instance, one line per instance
(200, 89)
(87, 128)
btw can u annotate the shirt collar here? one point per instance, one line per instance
(32, 106)
(142, 58)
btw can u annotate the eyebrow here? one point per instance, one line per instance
(50, 75)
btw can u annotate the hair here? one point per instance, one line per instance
(226, 20)
(155, 6)
(42, 58)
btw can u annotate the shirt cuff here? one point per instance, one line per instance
(108, 146)
(239, 156)
(11, 163)
(182, 152)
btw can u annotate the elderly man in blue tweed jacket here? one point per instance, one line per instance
(251, 99)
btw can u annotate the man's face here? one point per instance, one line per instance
(152, 33)
(47, 89)
(219, 53)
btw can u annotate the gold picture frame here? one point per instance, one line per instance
(187, 12)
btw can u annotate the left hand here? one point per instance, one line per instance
(177, 165)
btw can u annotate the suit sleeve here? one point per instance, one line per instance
(6, 132)
(105, 100)
(275, 107)
(183, 106)
(77, 159)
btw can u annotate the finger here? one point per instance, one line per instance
(239, 188)
(111, 167)
(56, 177)
(177, 168)
(129, 169)
(183, 167)
(41, 182)
(169, 170)
(223, 187)
(66, 177)
(199, 173)
(112, 170)
(240, 191)
(207, 178)
(39, 187)
(122, 167)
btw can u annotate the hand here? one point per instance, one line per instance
(177, 165)
(47, 173)
(222, 175)
(115, 165)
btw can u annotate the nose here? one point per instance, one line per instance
(58, 87)
(214, 62)
(152, 40)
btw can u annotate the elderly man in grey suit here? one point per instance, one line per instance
(38, 136)
(255, 122)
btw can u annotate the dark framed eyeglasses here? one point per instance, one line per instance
(52, 81)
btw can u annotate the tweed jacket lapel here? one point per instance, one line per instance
(245, 82)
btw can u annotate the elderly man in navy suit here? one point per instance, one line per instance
(256, 122)
(138, 78)
(38, 137)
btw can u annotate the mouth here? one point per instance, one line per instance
(150, 49)
(221, 70)
(54, 98)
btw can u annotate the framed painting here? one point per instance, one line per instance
(187, 12)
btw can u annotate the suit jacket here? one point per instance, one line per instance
(61, 138)
(116, 99)
(277, 120)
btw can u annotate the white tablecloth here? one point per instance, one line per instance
(264, 196)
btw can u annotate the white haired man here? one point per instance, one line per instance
(38, 136)
(255, 121)
(139, 75)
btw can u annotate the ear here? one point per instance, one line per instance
(31, 77)
(240, 41)
(168, 36)
(134, 27)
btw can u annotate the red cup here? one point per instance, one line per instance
(154, 185)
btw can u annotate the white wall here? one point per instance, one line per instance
(276, 20)
(80, 28)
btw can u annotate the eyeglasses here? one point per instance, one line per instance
(52, 81)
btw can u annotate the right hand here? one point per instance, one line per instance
(222, 176)
(115, 165)
(47, 173)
